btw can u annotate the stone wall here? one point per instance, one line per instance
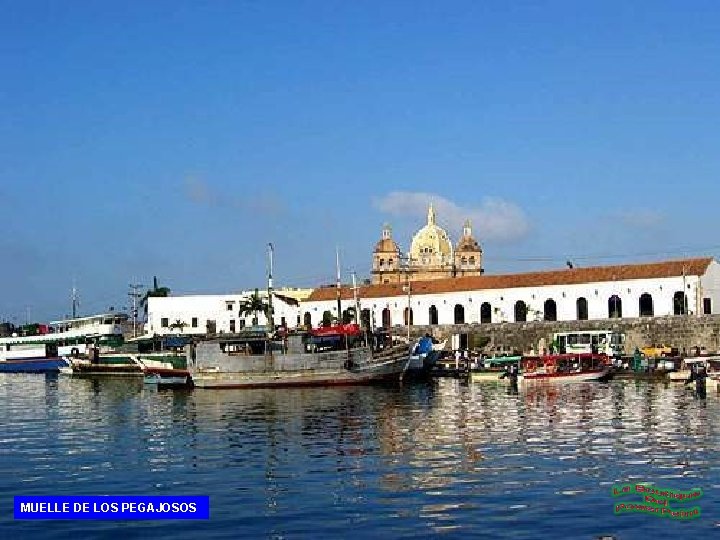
(683, 332)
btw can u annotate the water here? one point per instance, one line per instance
(429, 460)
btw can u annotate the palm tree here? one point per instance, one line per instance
(179, 325)
(155, 292)
(253, 305)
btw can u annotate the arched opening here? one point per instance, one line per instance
(459, 314)
(680, 303)
(433, 315)
(386, 322)
(550, 310)
(520, 311)
(646, 305)
(405, 316)
(581, 306)
(348, 315)
(327, 318)
(307, 319)
(614, 307)
(365, 318)
(486, 312)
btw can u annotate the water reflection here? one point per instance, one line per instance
(443, 457)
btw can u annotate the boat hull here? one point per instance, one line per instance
(583, 376)
(32, 365)
(84, 368)
(489, 376)
(212, 369)
(167, 377)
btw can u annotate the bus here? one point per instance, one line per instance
(588, 341)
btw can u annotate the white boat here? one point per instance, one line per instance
(53, 344)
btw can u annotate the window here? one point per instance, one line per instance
(405, 316)
(582, 309)
(242, 323)
(433, 315)
(194, 322)
(232, 325)
(614, 307)
(307, 319)
(459, 314)
(646, 305)
(472, 261)
(680, 303)
(365, 318)
(164, 322)
(390, 262)
(707, 306)
(386, 321)
(486, 313)
(229, 306)
(550, 310)
(382, 263)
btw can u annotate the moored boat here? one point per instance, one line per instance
(340, 355)
(47, 347)
(711, 364)
(494, 369)
(565, 368)
(424, 356)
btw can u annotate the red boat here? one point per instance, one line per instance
(565, 368)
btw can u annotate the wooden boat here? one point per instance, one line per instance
(340, 355)
(493, 368)
(565, 368)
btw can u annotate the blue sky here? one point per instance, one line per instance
(177, 138)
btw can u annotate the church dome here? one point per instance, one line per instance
(430, 241)
(385, 245)
(467, 242)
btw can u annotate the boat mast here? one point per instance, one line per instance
(271, 324)
(337, 266)
(74, 300)
(356, 299)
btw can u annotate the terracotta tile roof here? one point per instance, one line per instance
(691, 267)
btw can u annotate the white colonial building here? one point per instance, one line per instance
(689, 286)
(219, 313)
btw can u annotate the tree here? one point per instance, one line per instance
(155, 292)
(178, 325)
(253, 305)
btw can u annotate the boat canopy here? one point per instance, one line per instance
(338, 330)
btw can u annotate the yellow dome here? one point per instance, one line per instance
(431, 243)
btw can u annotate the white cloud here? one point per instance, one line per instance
(494, 219)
